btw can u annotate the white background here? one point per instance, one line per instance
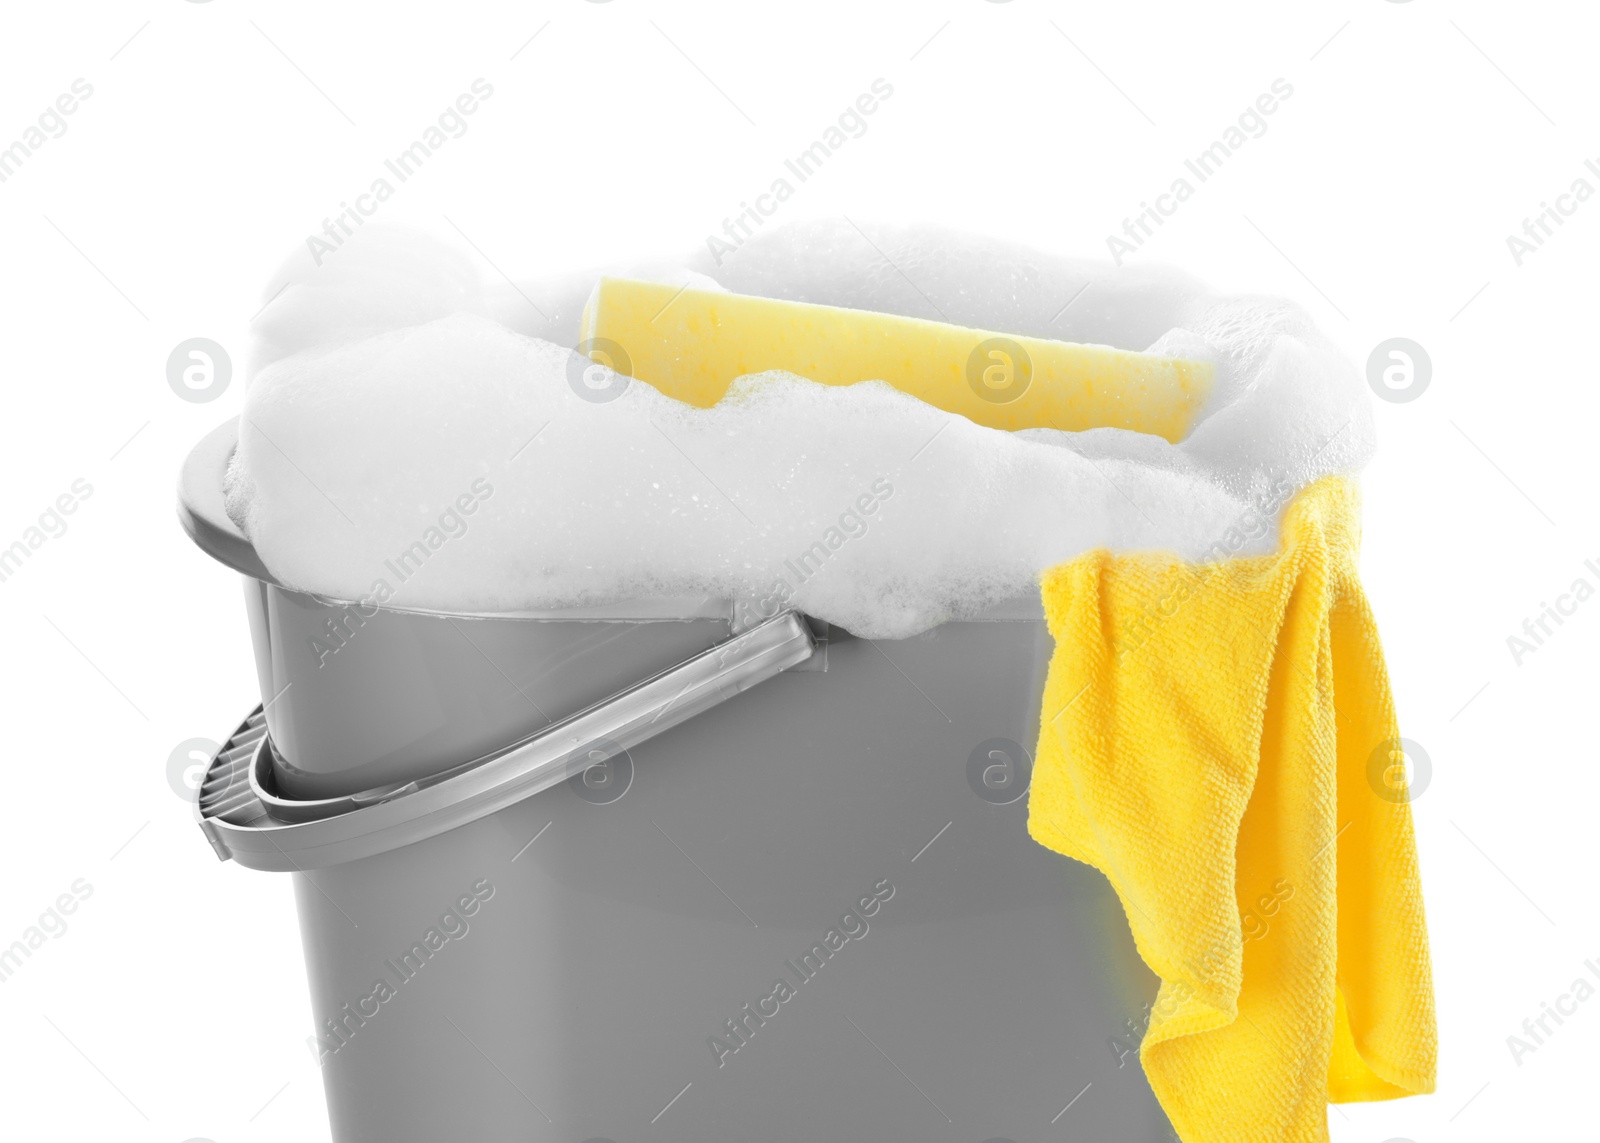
(220, 134)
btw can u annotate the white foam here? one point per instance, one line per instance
(364, 432)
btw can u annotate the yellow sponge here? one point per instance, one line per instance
(691, 344)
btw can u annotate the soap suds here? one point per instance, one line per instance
(406, 441)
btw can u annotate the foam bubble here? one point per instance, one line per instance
(450, 464)
(383, 277)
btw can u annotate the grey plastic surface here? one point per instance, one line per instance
(407, 694)
(618, 925)
(200, 504)
(246, 818)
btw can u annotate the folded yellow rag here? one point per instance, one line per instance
(1219, 739)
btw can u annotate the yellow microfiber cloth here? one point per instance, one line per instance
(1220, 740)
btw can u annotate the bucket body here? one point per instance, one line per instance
(812, 913)
(361, 697)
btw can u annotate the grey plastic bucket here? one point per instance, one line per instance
(808, 909)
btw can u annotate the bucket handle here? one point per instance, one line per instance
(246, 820)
